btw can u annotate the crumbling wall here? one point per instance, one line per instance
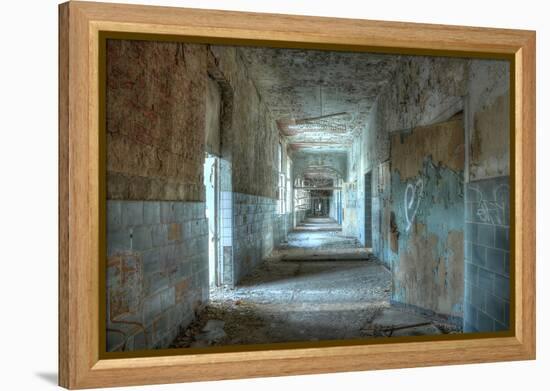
(488, 103)
(422, 91)
(252, 143)
(249, 146)
(427, 216)
(155, 120)
(487, 246)
(157, 241)
(214, 107)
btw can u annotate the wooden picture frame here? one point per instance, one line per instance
(81, 226)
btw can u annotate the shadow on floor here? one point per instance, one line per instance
(289, 274)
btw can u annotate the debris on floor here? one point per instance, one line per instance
(212, 332)
(292, 299)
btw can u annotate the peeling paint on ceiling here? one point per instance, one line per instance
(299, 86)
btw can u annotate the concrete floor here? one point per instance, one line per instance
(320, 285)
(318, 224)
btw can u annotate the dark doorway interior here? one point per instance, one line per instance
(368, 209)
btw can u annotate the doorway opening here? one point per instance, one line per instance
(368, 209)
(212, 186)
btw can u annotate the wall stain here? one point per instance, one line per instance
(427, 228)
(489, 146)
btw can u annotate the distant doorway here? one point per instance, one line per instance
(368, 209)
(212, 186)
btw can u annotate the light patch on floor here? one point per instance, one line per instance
(316, 224)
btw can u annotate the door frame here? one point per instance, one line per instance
(216, 215)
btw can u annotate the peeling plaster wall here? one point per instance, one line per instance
(489, 119)
(425, 91)
(156, 94)
(252, 143)
(249, 144)
(422, 91)
(487, 246)
(168, 103)
(427, 213)
(213, 117)
(157, 242)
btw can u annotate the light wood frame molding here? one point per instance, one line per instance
(80, 24)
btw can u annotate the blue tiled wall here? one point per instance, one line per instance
(487, 256)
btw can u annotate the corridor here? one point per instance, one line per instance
(261, 195)
(318, 286)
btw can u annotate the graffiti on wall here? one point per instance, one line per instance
(413, 198)
(426, 241)
(492, 209)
